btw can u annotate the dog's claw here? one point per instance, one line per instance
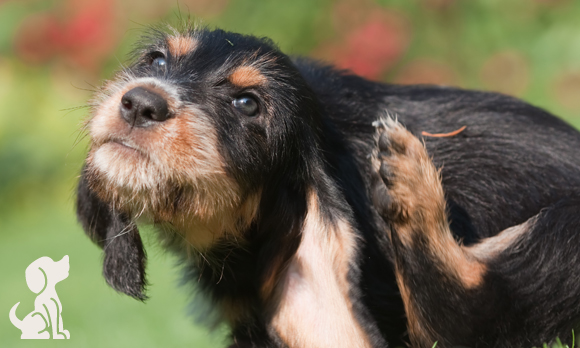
(384, 143)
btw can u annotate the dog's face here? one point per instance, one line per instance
(189, 132)
(188, 136)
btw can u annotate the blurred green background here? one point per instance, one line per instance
(52, 53)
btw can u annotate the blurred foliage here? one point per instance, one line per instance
(52, 53)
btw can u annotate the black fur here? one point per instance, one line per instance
(512, 161)
(124, 255)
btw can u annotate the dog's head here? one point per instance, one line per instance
(189, 137)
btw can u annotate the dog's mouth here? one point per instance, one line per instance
(125, 147)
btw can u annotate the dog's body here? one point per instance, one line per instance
(511, 162)
(45, 320)
(258, 171)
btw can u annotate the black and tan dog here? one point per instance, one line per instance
(309, 223)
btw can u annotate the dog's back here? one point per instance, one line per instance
(509, 149)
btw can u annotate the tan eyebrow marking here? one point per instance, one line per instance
(247, 76)
(181, 45)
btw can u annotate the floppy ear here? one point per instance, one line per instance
(125, 258)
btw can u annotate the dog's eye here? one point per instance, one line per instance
(158, 62)
(246, 105)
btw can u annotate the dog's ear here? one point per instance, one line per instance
(125, 258)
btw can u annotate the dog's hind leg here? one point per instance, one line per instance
(519, 288)
(429, 263)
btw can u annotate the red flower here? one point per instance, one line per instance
(373, 48)
(84, 39)
(370, 39)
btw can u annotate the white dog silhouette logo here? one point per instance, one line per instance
(46, 319)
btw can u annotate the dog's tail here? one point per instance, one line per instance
(13, 318)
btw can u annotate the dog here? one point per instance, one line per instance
(309, 218)
(46, 320)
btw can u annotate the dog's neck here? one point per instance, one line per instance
(199, 233)
(311, 273)
(299, 260)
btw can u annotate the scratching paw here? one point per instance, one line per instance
(406, 184)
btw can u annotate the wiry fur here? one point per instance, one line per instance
(272, 212)
(486, 286)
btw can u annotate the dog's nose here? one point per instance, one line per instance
(141, 107)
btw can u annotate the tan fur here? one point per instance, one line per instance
(139, 169)
(419, 204)
(315, 309)
(181, 45)
(212, 227)
(491, 247)
(247, 76)
(419, 219)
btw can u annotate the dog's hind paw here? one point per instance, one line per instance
(407, 188)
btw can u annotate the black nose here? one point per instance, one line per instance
(141, 107)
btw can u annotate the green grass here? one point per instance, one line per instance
(95, 315)
(559, 344)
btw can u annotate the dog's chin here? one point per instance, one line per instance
(203, 207)
(122, 176)
(134, 183)
(123, 166)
